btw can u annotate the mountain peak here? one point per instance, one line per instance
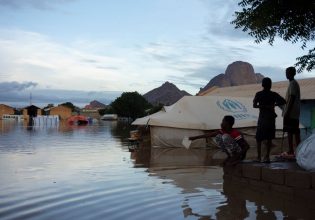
(236, 73)
(95, 105)
(166, 94)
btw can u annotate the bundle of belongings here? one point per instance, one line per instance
(305, 154)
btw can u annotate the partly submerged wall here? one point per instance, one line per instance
(280, 177)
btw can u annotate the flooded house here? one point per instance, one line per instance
(62, 111)
(31, 112)
(92, 109)
(6, 110)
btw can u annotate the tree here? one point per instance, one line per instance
(155, 109)
(107, 110)
(130, 104)
(291, 20)
(49, 106)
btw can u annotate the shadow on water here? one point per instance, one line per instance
(266, 204)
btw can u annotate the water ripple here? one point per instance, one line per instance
(88, 173)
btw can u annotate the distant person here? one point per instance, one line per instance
(266, 100)
(291, 111)
(229, 140)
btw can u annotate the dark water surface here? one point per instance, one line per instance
(88, 173)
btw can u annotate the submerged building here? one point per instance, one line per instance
(63, 112)
(31, 112)
(6, 110)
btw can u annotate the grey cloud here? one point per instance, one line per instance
(227, 31)
(207, 72)
(108, 67)
(15, 86)
(273, 72)
(209, 52)
(4, 75)
(98, 64)
(162, 58)
(135, 84)
(37, 4)
(42, 97)
(90, 61)
(223, 13)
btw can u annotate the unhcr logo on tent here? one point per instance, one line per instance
(232, 106)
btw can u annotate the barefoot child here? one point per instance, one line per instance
(229, 140)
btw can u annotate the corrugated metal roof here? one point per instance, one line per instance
(307, 87)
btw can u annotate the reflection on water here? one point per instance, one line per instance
(259, 204)
(63, 172)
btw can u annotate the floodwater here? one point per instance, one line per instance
(62, 172)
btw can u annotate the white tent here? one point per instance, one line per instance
(192, 115)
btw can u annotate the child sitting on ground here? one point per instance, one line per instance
(229, 140)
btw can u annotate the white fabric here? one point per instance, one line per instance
(46, 120)
(186, 142)
(194, 115)
(305, 154)
(173, 137)
(206, 113)
(177, 157)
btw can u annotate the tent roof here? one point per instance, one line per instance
(206, 113)
(306, 85)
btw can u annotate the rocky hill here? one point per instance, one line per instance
(237, 73)
(167, 94)
(95, 105)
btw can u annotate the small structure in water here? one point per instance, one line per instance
(6, 110)
(46, 120)
(109, 117)
(78, 120)
(12, 117)
(63, 112)
(31, 112)
(133, 140)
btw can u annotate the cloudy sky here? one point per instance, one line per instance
(81, 50)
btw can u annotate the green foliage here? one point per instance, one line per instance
(49, 106)
(130, 104)
(108, 110)
(291, 20)
(155, 109)
(307, 61)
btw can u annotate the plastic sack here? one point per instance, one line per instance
(305, 154)
(186, 142)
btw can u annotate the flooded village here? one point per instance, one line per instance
(139, 158)
(164, 109)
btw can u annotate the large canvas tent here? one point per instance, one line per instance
(193, 115)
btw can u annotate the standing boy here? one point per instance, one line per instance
(291, 112)
(229, 140)
(266, 100)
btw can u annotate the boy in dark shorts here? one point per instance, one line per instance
(266, 100)
(291, 112)
(229, 140)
